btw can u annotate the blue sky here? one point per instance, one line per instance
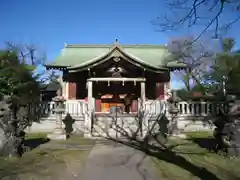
(50, 23)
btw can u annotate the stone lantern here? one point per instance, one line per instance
(59, 132)
(173, 111)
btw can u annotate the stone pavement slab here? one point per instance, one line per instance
(66, 146)
(118, 163)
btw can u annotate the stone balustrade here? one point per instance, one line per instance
(73, 107)
(153, 107)
(200, 108)
(192, 116)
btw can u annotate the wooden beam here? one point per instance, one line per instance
(117, 79)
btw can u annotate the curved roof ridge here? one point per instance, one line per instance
(142, 46)
(88, 45)
(112, 45)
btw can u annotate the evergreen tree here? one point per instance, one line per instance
(226, 63)
(16, 79)
(21, 89)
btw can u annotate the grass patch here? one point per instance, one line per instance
(42, 164)
(73, 139)
(191, 160)
(207, 134)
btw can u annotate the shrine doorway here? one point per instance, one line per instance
(109, 95)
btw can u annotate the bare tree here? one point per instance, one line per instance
(214, 15)
(195, 55)
(28, 54)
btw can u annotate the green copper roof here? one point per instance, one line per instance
(77, 55)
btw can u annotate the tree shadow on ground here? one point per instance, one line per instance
(158, 147)
(154, 144)
(206, 143)
(35, 142)
(170, 156)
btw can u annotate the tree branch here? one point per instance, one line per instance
(192, 13)
(26, 53)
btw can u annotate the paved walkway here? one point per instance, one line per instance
(117, 163)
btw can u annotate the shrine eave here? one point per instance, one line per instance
(89, 67)
(56, 67)
(174, 65)
(162, 69)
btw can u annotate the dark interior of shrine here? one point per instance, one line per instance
(115, 91)
(112, 94)
(101, 88)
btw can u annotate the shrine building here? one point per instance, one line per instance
(103, 75)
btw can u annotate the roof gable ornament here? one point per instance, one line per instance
(116, 52)
(116, 42)
(116, 58)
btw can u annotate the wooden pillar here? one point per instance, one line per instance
(72, 90)
(143, 93)
(167, 90)
(143, 109)
(88, 120)
(67, 90)
(159, 91)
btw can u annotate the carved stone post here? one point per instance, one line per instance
(59, 132)
(173, 111)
